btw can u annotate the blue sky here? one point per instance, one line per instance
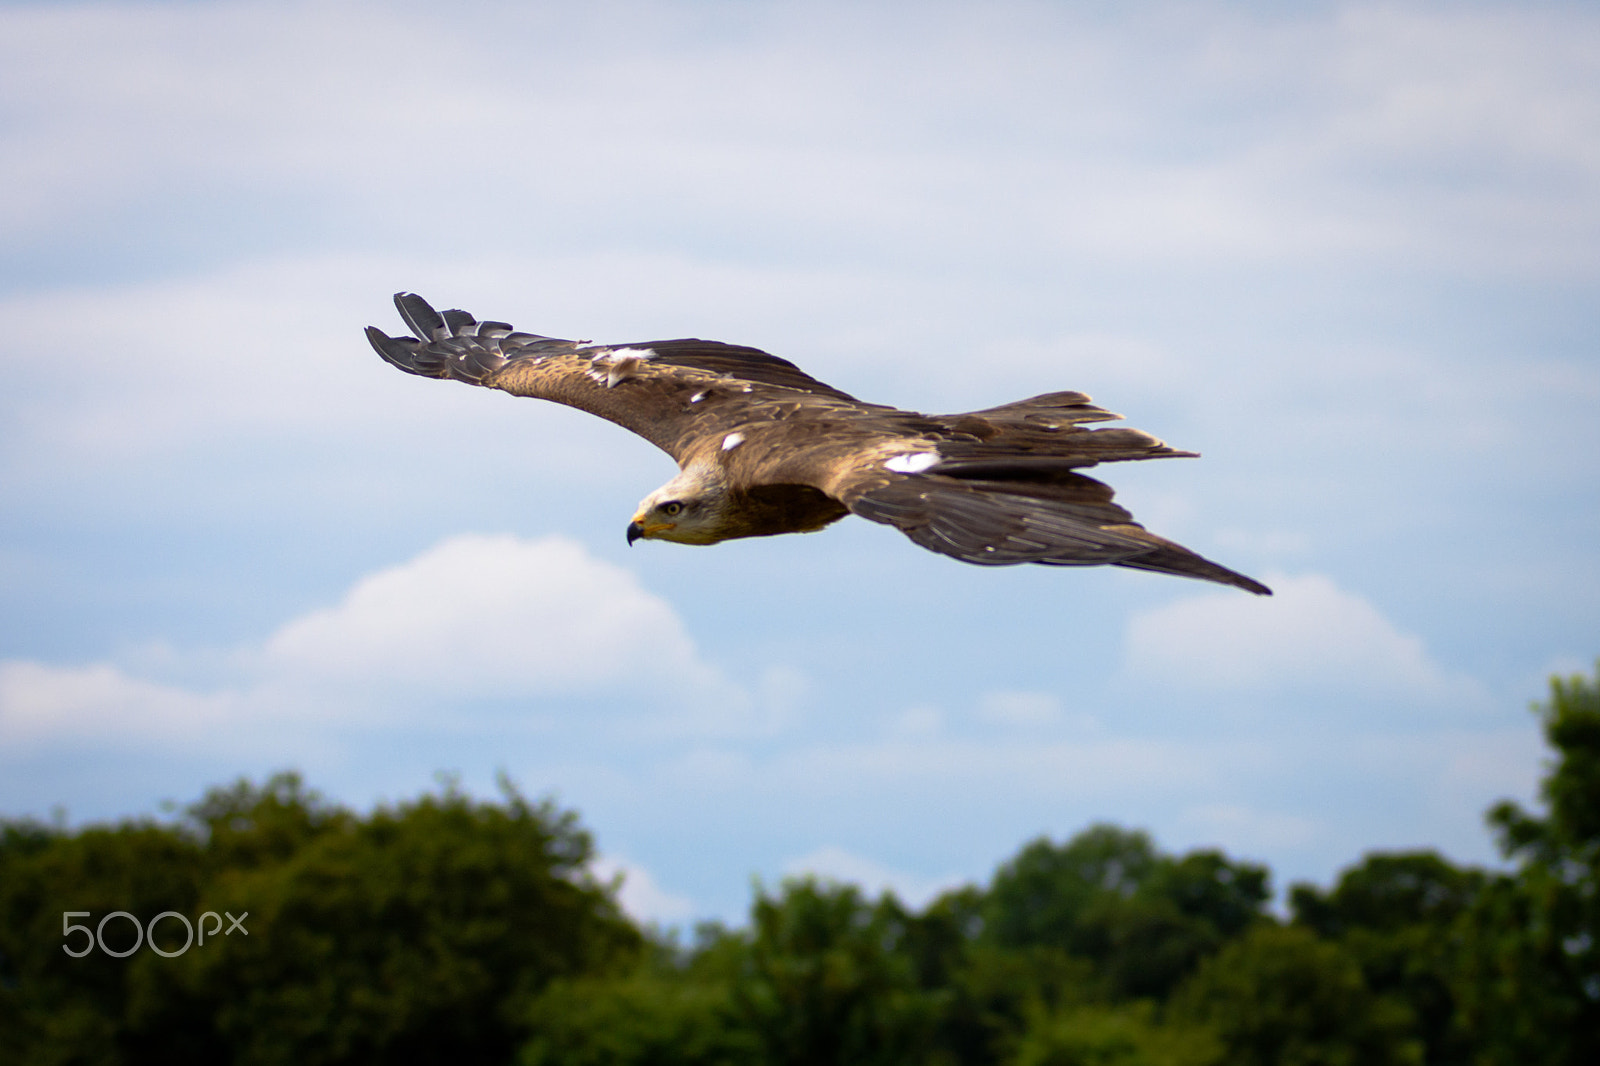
(1349, 252)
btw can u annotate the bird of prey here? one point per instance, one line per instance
(764, 448)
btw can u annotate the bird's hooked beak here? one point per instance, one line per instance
(639, 527)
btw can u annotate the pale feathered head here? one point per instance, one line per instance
(692, 508)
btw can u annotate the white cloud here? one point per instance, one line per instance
(1084, 129)
(781, 696)
(163, 365)
(474, 618)
(1463, 769)
(917, 722)
(1242, 827)
(1309, 634)
(641, 897)
(1054, 770)
(1024, 709)
(831, 863)
(494, 616)
(842, 781)
(271, 352)
(99, 704)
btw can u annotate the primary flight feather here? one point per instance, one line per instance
(764, 448)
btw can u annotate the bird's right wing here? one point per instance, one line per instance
(1002, 487)
(673, 393)
(1069, 520)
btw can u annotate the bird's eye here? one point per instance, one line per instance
(671, 508)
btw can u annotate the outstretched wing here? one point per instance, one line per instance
(1070, 521)
(1003, 486)
(673, 393)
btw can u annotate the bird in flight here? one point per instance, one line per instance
(764, 448)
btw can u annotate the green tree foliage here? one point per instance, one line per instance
(1531, 992)
(1125, 1034)
(823, 975)
(54, 1008)
(674, 1009)
(413, 934)
(1284, 997)
(992, 992)
(828, 979)
(1399, 915)
(1144, 919)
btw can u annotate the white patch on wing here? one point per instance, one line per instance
(732, 441)
(622, 369)
(911, 462)
(697, 397)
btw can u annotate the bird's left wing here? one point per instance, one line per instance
(673, 393)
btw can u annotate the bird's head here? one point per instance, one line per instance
(692, 508)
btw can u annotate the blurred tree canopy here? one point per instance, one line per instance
(457, 929)
(412, 934)
(1534, 940)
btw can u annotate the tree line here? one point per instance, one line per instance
(455, 929)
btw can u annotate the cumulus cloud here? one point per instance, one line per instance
(493, 616)
(830, 863)
(474, 618)
(1310, 634)
(100, 704)
(641, 896)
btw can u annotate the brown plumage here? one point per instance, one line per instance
(763, 448)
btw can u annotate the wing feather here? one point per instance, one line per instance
(674, 393)
(1070, 521)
